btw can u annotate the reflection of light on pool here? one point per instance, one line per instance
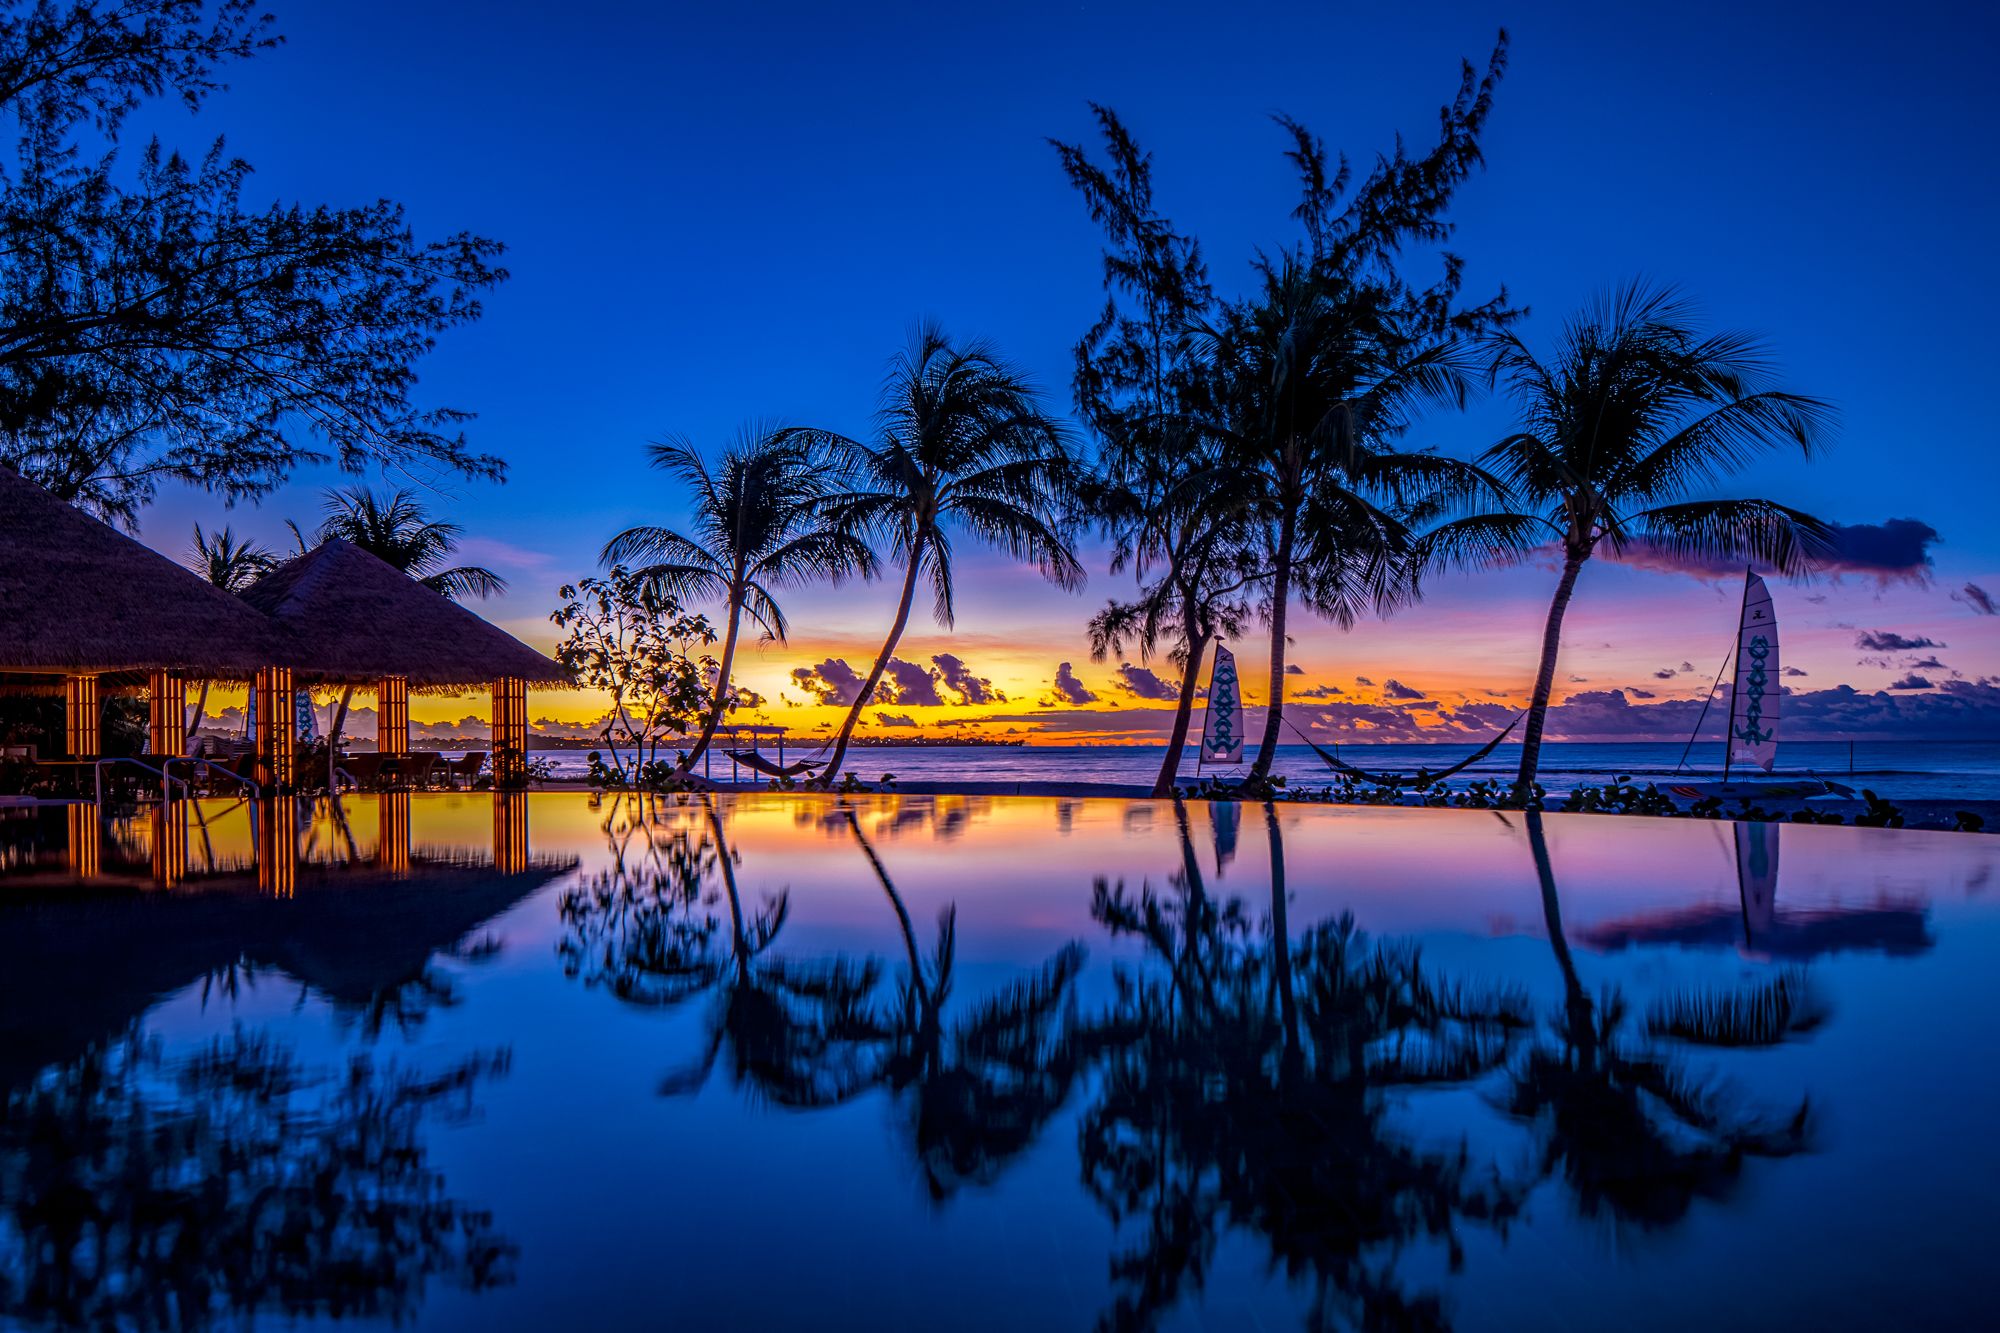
(937, 1056)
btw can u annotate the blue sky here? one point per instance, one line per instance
(720, 213)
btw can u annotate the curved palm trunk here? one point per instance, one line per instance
(1163, 786)
(1281, 950)
(1545, 678)
(1576, 1001)
(339, 722)
(721, 697)
(832, 769)
(200, 707)
(1274, 713)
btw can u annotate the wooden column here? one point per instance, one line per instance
(166, 724)
(83, 714)
(510, 832)
(276, 819)
(510, 731)
(85, 836)
(392, 715)
(277, 730)
(170, 843)
(392, 836)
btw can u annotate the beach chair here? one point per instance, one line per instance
(465, 769)
(419, 768)
(363, 768)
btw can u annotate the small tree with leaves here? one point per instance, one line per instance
(623, 636)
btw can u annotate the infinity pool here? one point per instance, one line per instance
(926, 1062)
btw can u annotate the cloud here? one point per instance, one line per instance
(1641, 694)
(1396, 689)
(1294, 669)
(831, 682)
(895, 719)
(1363, 680)
(1665, 673)
(1320, 692)
(1144, 684)
(1687, 666)
(911, 685)
(970, 687)
(1792, 671)
(1888, 641)
(1911, 682)
(747, 697)
(1069, 690)
(1897, 551)
(1928, 664)
(1976, 597)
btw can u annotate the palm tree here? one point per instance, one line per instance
(401, 534)
(1636, 410)
(759, 522)
(1317, 377)
(961, 440)
(232, 565)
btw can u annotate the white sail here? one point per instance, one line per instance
(1753, 708)
(1222, 729)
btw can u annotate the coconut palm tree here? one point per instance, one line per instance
(232, 565)
(759, 521)
(961, 441)
(1635, 411)
(400, 533)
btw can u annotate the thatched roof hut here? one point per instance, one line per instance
(353, 620)
(79, 597)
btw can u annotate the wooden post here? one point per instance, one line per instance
(277, 733)
(166, 715)
(276, 820)
(392, 716)
(510, 732)
(392, 841)
(510, 832)
(85, 836)
(83, 714)
(170, 843)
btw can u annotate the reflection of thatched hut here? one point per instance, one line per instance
(355, 620)
(84, 608)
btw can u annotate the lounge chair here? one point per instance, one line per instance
(464, 770)
(418, 767)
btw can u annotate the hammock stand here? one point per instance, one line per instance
(1422, 777)
(757, 763)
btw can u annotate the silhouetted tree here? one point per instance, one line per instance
(205, 1192)
(1171, 502)
(153, 325)
(759, 522)
(1635, 410)
(961, 441)
(975, 1093)
(1245, 1088)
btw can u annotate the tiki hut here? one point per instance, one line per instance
(85, 608)
(355, 620)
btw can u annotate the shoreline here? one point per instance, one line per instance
(1928, 815)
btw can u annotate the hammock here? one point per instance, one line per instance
(758, 763)
(1422, 777)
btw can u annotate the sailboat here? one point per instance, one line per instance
(1755, 703)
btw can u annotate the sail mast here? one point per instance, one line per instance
(1729, 732)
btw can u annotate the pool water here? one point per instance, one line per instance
(774, 1061)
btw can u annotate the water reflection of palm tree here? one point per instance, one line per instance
(977, 1093)
(1248, 1088)
(795, 1032)
(235, 1183)
(1634, 1135)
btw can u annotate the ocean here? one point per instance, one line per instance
(1937, 771)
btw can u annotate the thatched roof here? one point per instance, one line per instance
(77, 595)
(354, 619)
